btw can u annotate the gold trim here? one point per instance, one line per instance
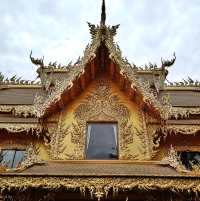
(182, 112)
(31, 157)
(180, 88)
(179, 129)
(104, 185)
(105, 162)
(100, 105)
(19, 110)
(21, 86)
(19, 128)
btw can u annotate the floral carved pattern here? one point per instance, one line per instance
(102, 105)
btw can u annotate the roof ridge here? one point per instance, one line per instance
(189, 82)
(14, 80)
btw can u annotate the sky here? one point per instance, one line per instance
(57, 30)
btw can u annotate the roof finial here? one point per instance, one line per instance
(103, 13)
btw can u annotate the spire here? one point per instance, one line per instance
(103, 13)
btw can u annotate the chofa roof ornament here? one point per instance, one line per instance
(103, 14)
(168, 63)
(37, 62)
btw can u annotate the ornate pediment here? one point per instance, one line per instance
(102, 102)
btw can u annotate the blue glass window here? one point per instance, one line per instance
(11, 158)
(102, 141)
(189, 159)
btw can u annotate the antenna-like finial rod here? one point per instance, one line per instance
(103, 14)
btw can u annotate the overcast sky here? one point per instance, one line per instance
(57, 30)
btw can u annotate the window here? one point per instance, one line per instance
(11, 158)
(190, 159)
(102, 141)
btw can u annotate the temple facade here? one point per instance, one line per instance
(100, 128)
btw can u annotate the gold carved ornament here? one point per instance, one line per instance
(179, 129)
(177, 112)
(19, 110)
(100, 105)
(31, 157)
(42, 102)
(173, 160)
(99, 35)
(154, 139)
(100, 187)
(34, 129)
(128, 71)
(56, 144)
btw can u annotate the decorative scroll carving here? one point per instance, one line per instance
(102, 105)
(6, 108)
(19, 110)
(41, 103)
(25, 111)
(177, 112)
(31, 157)
(179, 129)
(34, 129)
(57, 140)
(154, 140)
(128, 71)
(100, 187)
(173, 159)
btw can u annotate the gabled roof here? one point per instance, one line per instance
(100, 35)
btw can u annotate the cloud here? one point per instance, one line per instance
(57, 30)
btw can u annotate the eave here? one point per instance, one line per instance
(102, 184)
(112, 174)
(17, 86)
(181, 88)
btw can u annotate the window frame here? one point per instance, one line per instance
(188, 165)
(117, 137)
(13, 160)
